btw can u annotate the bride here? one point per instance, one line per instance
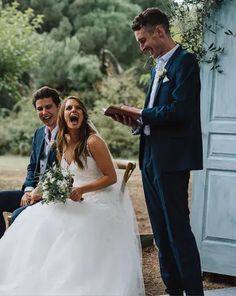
(86, 247)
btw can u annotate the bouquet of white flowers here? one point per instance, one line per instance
(55, 185)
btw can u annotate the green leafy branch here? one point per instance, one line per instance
(191, 18)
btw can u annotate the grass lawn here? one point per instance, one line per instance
(12, 171)
(12, 162)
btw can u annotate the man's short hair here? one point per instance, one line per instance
(150, 18)
(46, 92)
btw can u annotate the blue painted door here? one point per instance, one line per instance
(213, 214)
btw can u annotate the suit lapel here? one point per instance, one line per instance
(167, 66)
(51, 157)
(173, 57)
(150, 87)
(158, 86)
(40, 141)
(41, 145)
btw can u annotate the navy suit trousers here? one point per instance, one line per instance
(166, 196)
(9, 202)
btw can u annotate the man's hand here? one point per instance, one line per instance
(25, 200)
(126, 120)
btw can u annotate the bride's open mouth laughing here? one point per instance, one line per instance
(73, 114)
(74, 119)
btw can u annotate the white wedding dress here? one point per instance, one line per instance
(87, 248)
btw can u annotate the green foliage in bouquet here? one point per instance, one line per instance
(56, 185)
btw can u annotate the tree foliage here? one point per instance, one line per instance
(106, 24)
(164, 5)
(97, 24)
(69, 45)
(65, 68)
(190, 21)
(118, 90)
(19, 50)
(17, 128)
(52, 10)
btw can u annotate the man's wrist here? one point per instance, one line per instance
(28, 189)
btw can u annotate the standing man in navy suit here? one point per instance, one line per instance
(47, 103)
(170, 146)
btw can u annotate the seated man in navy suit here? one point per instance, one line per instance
(47, 103)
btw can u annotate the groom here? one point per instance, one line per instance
(170, 146)
(46, 101)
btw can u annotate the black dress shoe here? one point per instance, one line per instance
(174, 293)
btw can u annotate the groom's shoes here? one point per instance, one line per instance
(174, 293)
(181, 293)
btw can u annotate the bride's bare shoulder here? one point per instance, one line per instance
(95, 139)
(96, 144)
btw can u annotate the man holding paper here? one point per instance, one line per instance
(170, 146)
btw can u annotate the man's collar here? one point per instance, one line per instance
(53, 132)
(164, 58)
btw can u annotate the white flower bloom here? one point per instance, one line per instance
(56, 185)
(161, 73)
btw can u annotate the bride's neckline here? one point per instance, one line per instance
(73, 161)
(68, 163)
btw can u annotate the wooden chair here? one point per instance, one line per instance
(126, 165)
(129, 166)
(7, 218)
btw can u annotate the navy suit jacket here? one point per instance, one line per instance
(174, 119)
(33, 168)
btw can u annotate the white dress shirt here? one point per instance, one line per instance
(160, 65)
(49, 139)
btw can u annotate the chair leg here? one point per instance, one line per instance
(7, 218)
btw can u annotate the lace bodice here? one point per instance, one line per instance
(90, 173)
(82, 176)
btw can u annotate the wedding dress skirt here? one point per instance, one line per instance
(87, 248)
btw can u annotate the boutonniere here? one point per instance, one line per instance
(161, 73)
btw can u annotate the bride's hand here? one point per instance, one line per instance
(76, 194)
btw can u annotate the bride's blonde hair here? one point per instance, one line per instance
(85, 130)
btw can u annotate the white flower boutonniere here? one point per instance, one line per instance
(161, 73)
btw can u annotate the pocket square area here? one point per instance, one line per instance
(165, 79)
